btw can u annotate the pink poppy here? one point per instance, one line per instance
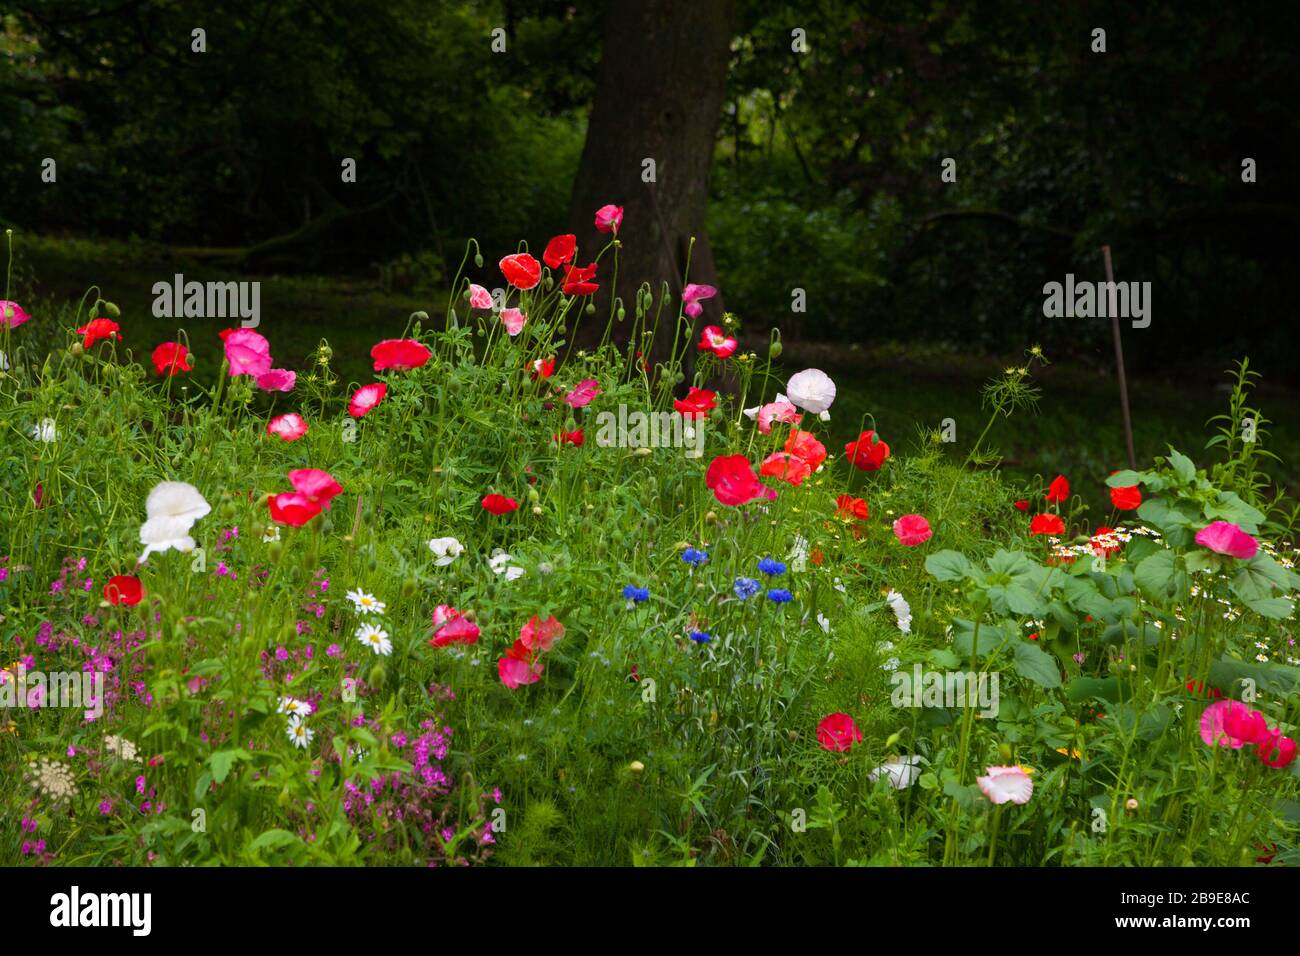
(732, 480)
(1277, 751)
(1246, 723)
(693, 294)
(479, 297)
(400, 354)
(912, 530)
(539, 635)
(714, 340)
(782, 412)
(450, 627)
(366, 398)
(609, 218)
(519, 666)
(1214, 724)
(12, 314)
(583, 393)
(513, 320)
(290, 427)
(247, 352)
(292, 508)
(277, 380)
(838, 733)
(1224, 537)
(521, 270)
(319, 486)
(1006, 784)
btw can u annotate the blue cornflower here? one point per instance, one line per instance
(768, 566)
(779, 595)
(635, 594)
(701, 637)
(695, 557)
(746, 588)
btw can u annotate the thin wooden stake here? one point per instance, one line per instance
(1112, 308)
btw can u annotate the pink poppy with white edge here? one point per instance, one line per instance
(366, 398)
(1007, 785)
(290, 427)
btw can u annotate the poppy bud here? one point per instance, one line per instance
(591, 308)
(621, 313)
(378, 674)
(636, 766)
(76, 349)
(470, 615)
(533, 496)
(775, 350)
(408, 588)
(478, 259)
(893, 739)
(111, 310)
(643, 452)
(710, 517)
(420, 316)
(1005, 751)
(283, 798)
(562, 329)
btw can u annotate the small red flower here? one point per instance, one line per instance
(170, 358)
(1047, 524)
(1059, 489)
(318, 486)
(521, 270)
(1023, 504)
(292, 508)
(499, 504)
(571, 438)
(519, 666)
(912, 530)
(290, 426)
(714, 340)
(366, 398)
(542, 368)
(560, 250)
(451, 627)
(868, 453)
(1276, 750)
(838, 733)
(697, 403)
(1126, 499)
(848, 507)
(804, 445)
(577, 280)
(123, 589)
(98, 329)
(401, 354)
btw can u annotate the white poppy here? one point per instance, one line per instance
(446, 550)
(901, 771)
(812, 390)
(45, 431)
(172, 508)
(500, 564)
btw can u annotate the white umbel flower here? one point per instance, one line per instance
(172, 508)
(445, 550)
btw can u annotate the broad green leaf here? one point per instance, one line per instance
(1160, 578)
(1035, 664)
(950, 566)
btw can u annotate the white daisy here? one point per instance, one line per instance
(297, 708)
(446, 550)
(299, 733)
(366, 603)
(375, 638)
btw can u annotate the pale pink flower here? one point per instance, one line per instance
(1005, 784)
(693, 294)
(479, 297)
(513, 320)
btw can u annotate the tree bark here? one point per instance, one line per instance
(659, 94)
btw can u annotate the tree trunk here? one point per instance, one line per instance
(661, 84)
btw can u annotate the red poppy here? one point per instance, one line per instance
(838, 733)
(1200, 690)
(521, 270)
(868, 453)
(1126, 499)
(1047, 524)
(1059, 489)
(848, 507)
(577, 280)
(732, 480)
(1276, 750)
(451, 627)
(366, 398)
(170, 358)
(542, 368)
(401, 354)
(292, 508)
(571, 438)
(499, 504)
(225, 334)
(98, 329)
(697, 403)
(609, 218)
(785, 466)
(538, 635)
(123, 589)
(804, 445)
(1023, 504)
(560, 250)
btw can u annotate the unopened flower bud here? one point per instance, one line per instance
(636, 766)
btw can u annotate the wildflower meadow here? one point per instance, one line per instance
(510, 600)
